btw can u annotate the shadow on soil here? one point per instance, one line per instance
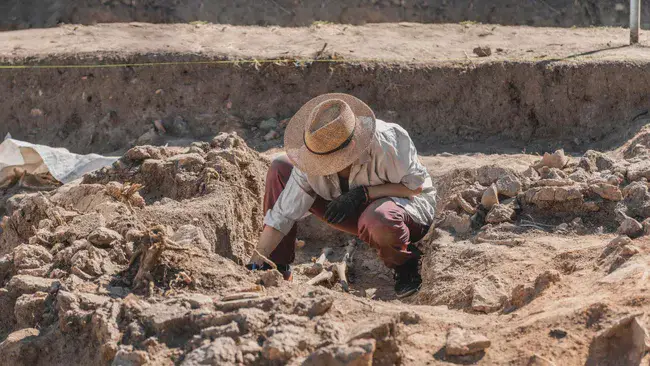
(442, 355)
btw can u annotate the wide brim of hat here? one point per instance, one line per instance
(321, 165)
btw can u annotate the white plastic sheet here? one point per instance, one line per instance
(18, 157)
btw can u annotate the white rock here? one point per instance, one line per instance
(464, 342)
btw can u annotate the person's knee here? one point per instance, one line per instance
(380, 219)
(281, 165)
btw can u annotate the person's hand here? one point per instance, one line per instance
(346, 205)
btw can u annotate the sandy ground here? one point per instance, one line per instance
(403, 42)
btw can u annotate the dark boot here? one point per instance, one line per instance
(407, 278)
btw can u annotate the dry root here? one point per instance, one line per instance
(150, 252)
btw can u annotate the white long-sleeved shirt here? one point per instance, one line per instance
(390, 158)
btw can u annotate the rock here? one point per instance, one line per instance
(197, 300)
(222, 351)
(281, 347)
(490, 197)
(614, 244)
(164, 317)
(523, 294)
(460, 224)
(126, 356)
(271, 135)
(626, 339)
(637, 199)
(178, 127)
(462, 342)
(12, 348)
(409, 317)
(545, 279)
(607, 191)
(629, 250)
(556, 160)
(268, 124)
(31, 256)
(614, 180)
(488, 295)
(190, 236)
(23, 284)
(140, 153)
(551, 173)
(537, 360)
(271, 278)
(553, 182)
(500, 213)
(580, 176)
(87, 263)
(377, 329)
(531, 174)
(191, 161)
(85, 224)
(540, 195)
(508, 185)
(630, 227)
(227, 141)
(103, 237)
(6, 267)
(356, 353)
(317, 304)
(29, 309)
(486, 175)
(482, 51)
(639, 170)
(646, 226)
(598, 160)
(229, 330)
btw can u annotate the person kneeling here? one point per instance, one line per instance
(359, 174)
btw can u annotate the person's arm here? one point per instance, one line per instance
(392, 190)
(269, 240)
(294, 201)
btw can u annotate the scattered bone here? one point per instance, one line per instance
(241, 296)
(345, 263)
(264, 303)
(323, 276)
(464, 204)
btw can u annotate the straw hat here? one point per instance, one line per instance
(329, 133)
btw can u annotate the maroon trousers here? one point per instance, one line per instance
(382, 224)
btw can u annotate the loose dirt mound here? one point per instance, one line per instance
(140, 263)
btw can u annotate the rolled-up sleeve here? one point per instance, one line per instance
(294, 202)
(401, 162)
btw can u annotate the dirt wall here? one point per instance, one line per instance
(533, 105)
(20, 14)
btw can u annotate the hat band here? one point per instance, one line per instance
(343, 145)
